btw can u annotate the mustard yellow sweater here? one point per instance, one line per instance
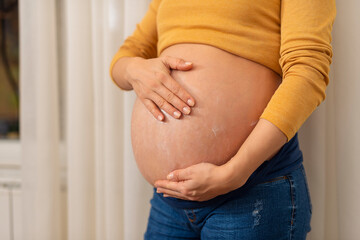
(291, 37)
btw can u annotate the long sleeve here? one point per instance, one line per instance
(143, 41)
(305, 58)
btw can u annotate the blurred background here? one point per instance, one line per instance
(66, 165)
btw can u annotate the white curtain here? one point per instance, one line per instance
(80, 181)
(70, 108)
(330, 139)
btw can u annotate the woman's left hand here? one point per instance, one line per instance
(199, 182)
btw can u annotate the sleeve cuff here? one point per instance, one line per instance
(280, 122)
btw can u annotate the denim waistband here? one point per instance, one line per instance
(288, 158)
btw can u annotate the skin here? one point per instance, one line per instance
(204, 181)
(198, 175)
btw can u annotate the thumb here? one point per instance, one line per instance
(178, 175)
(176, 63)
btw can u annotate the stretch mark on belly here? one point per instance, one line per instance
(215, 130)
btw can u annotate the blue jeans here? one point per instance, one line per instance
(277, 209)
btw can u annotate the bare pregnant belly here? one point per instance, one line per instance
(230, 94)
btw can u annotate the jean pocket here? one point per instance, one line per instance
(307, 189)
(273, 181)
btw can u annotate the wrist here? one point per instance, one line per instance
(123, 72)
(239, 168)
(233, 177)
(131, 67)
(130, 64)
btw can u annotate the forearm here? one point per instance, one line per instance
(120, 73)
(262, 144)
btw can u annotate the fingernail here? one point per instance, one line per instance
(188, 63)
(186, 110)
(160, 117)
(170, 176)
(177, 114)
(190, 102)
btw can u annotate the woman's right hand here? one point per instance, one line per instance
(153, 84)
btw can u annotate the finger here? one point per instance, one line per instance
(163, 104)
(176, 63)
(153, 109)
(174, 87)
(171, 193)
(172, 186)
(164, 79)
(173, 99)
(179, 175)
(166, 195)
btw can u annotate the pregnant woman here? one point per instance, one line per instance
(222, 89)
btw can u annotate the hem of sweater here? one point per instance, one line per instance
(214, 39)
(285, 128)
